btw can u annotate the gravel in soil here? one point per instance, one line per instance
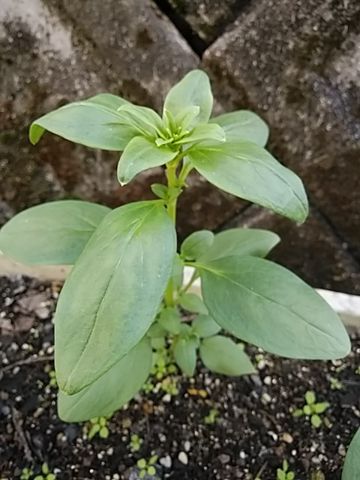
(215, 428)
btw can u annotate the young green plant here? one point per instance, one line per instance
(312, 409)
(126, 285)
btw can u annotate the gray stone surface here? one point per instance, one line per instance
(209, 18)
(310, 250)
(297, 63)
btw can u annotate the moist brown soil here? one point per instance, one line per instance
(253, 432)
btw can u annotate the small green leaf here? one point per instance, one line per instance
(280, 475)
(352, 461)
(104, 306)
(285, 466)
(141, 463)
(92, 122)
(178, 272)
(159, 190)
(250, 172)
(151, 470)
(185, 354)
(156, 331)
(104, 432)
(196, 244)
(265, 304)
(145, 120)
(111, 391)
(242, 242)
(316, 421)
(243, 125)
(141, 154)
(192, 303)
(186, 117)
(222, 355)
(205, 326)
(53, 233)
(310, 397)
(307, 410)
(298, 412)
(193, 90)
(170, 320)
(203, 132)
(290, 476)
(321, 407)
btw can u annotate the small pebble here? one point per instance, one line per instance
(167, 398)
(166, 461)
(287, 438)
(187, 446)
(183, 458)
(224, 458)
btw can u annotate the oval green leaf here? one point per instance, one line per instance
(54, 233)
(352, 461)
(192, 303)
(113, 292)
(196, 244)
(193, 90)
(243, 125)
(221, 355)
(112, 390)
(185, 354)
(268, 306)
(141, 154)
(242, 242)
(93, 123)
(205, 326)
(250, 172)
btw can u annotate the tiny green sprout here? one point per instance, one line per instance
(135, 443)
(147, 467)
(284, 473)
(98, 426)
(335, 384)
(45, 473)
(312, 409)
(169, 385)
(26, 473)
(211, 417)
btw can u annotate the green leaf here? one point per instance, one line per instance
(160, 190)
(193, 90)
(203, 132)
(280, 475)
(310, 397)
(307, 410)
(352, 460)
(112, 390)
(186, 117)
(265, 304)
(156, 331)
(242, 242)
(177, 276)
(170, 320)
(192, 303)
(113, 102)
(315, 421)
(243, 125)
(104, 308)
(141, 154)
(90, 122)
(250, 172)
(185, 354)
(196, 244)
(54, 233)
(145, 120)
(221, 355)
(205, 326)
(321, 407)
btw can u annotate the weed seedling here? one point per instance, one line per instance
(211, 417)
(135, 443)
(335, 384)
(312, 409)
(26, 473)
(98, 426)
(45, 473)
(284, 473)
(147, 467)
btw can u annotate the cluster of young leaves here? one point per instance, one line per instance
(312, 409)
(126, 264)
(284, 473)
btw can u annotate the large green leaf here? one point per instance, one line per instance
(193, 90)
(94, 122)
(240, 241)
(243, 125)
(54, 233)
(250, 172)
(185, 354)
(113, 292)
(141, 154)
(352, 461)
(221, 355)
(112, 390)
(265, 304)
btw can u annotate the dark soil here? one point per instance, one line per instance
(253, 432)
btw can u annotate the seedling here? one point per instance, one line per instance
(26, 473)
(135, 443)
(312, 409)
(147, 467)
(125, 294)
(211, 418)
(98, 426)
(284, 473)
(45, 473)
(335, 384)
(52, 377)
